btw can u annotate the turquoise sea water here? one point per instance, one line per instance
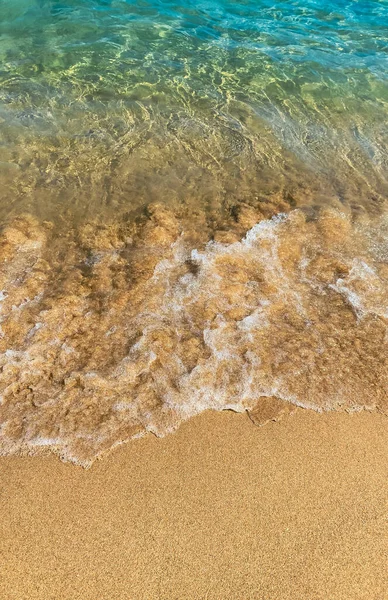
(193, 209)
(115, 103)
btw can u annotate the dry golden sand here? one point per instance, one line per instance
(220, 509)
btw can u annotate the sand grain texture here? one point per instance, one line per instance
(219, 510)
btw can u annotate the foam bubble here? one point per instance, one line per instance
(156, 330)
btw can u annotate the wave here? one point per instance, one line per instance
(118, 329)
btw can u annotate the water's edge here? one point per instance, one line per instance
(124, 328)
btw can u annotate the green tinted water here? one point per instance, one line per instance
(108, 105)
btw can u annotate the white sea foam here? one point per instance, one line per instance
(295, 311)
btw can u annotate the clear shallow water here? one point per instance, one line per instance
(136, 101)
(147, 151)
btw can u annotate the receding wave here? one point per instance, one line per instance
(120, 328)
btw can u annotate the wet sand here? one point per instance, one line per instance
(221, 509)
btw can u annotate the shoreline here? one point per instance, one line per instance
(220, 509)
(108, 336)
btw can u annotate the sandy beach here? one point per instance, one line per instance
(193, 300)
(221, 509)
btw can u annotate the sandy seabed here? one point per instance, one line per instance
(221, 509)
